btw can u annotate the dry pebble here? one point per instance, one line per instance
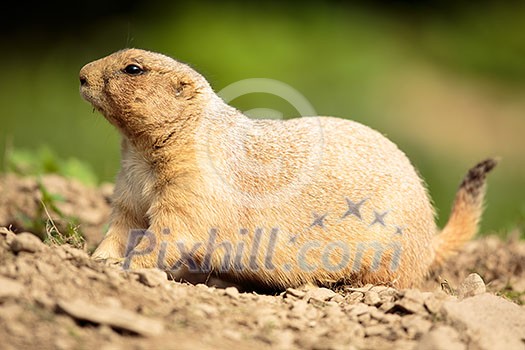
(471, 286)
(320, 294)
(232, 292)
(8, 235)
(387, 306)
(364, 318)
(295, 292)
(338, 298)
(151, 277)
(114, 317)
(433, 304)
(27, 242)
(415, 325)
(358, 310)
(356, 297)
(10, 288)
(372, 298)
(411, 301)
(207, 310)
(375, 330)
(441, 338)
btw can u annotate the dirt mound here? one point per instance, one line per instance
(56, 297)
(34, 204)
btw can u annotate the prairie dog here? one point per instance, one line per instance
(263, 202)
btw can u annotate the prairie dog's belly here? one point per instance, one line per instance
(357, 199)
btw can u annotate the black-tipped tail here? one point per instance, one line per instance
(466, 212)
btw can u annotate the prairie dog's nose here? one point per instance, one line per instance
(83, 80)
(86, 75)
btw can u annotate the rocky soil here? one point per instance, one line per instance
(53, 296)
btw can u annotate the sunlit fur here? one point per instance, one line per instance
(191, 163)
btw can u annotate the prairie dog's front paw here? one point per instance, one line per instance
(112, 261)
(107, 250)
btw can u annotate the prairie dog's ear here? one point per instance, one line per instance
(184, 88)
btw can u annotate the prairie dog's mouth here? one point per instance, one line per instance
(87, 95)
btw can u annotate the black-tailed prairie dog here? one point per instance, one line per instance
(262, 202)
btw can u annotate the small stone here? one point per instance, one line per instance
(338, 298)
(321, 294)
(415, 325)
(151, 277)
(106, 333)
(386, 307)
(377, 330)
(63, 343)
(364, 319)
(471, 286)
(9, 235)
(358, 310)
(333, 312)
(10, 288)
(115, 317)
(433, 304)
(299, 308)
(317, 303)
(284, 339)
(388, 291)
(311, 323)
(355, 297)
(202, 286)
(363, 289)
(114, 277)
(76, 254)
(379, 289)
(207, 309)
(497, 323)
(26, 242)
(232, 292)
(441, 337)
(372, 298)
(42, 299)
(387, 295)
(377, 314)
(111, 302)
(295, 292)
(4, 231)
(390, 318)
(59, 252)
(411, 301)
(232, 335)
(16, 328)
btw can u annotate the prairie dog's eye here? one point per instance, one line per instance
(133, 69)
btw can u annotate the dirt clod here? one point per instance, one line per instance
(115, 317)
(9, 288)
(151, 277)
(26, 242)
(441, 338)
(491, 322)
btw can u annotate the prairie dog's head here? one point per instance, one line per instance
(143, 93)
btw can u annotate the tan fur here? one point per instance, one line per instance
(191, 163)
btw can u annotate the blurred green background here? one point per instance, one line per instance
(444, 80)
